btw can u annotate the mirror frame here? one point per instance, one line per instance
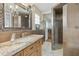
(14, 28)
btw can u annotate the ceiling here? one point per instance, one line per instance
(45, 7)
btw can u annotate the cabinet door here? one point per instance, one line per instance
(38, 51)
(29, 50)
(19, 53)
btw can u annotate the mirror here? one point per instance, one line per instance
(17, 16)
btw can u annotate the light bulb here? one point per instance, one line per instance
(16, 6)
(10, 6)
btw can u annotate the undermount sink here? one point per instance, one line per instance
(23, 40)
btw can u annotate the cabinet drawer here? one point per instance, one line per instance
(38, 43)
(28, 50)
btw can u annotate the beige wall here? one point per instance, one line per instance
(37, 11)
(73, 15)
(71, 32)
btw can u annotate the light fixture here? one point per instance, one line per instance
(16, 7)
(10, 6)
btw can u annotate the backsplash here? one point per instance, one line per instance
(6, 36)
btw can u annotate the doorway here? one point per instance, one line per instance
(57, 28)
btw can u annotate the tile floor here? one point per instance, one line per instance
(47, 51)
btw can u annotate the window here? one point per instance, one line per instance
(37, 19)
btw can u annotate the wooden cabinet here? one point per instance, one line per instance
(38, 51)
(32, 50)
(29, 50)
(20, 53)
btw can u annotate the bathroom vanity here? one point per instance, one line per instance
(32, 50)
(26, 46)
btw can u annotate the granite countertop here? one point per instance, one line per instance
(10, 48)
